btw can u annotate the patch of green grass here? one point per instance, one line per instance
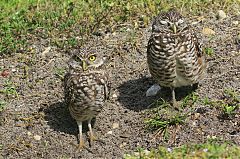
(228, 105)
(60, 72)
(207, 101)
(163, 117)
(189, 100)
(203, 151)
(67, 23)
(231, 103)
(229, 109)
(161, 124)
(2, 105)
(234, 95)
(209, 51)
(9, 89)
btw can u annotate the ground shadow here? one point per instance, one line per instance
(132, 94)
(59, 118)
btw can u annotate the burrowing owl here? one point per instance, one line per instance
(86, 87)
(174, 55)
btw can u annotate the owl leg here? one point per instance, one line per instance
(81, 142)
(173, 97)
(92, 137)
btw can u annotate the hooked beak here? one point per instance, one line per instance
(84, 65)
(174, 28)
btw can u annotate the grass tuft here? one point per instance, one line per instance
(209, 51)
(228, 105)
(203, 151)
(164, 117)
(69, 23)
(60, 72)
(2, 105)
(9, 89)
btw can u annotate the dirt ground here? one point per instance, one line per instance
(37, 124)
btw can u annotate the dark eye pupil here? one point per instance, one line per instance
(92, 57)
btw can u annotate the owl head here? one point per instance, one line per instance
(169, 22)
(86, 59)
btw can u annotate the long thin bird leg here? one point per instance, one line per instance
(92, 137)
(81, 141)
(174, 98)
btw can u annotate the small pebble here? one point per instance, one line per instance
(153, 90)
(37, 137)
(208, 31)
(115, 125)
(235, 22)
(205, 150)
(19, 123)
(123, 144)
(197, 115)
(169, 149)
(5, 73)
(211, 137)
(114, 95)
(146, 152)
(194, 123)
(110, 132)
(194, 23)
(29, 133)
(221, 15)
(14, 69)
(136, 154)
(199, 130)
(46, 51)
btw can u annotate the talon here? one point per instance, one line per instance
(81, 141)
(92, 138)
(80, 146)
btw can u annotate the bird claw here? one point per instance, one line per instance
(92, 139)
(153, 90)
(80, 146)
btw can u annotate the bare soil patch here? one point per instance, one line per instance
(37, 124)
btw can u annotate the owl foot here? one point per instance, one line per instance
(80, 146)
(92, 139)
(81, 141)
(176, 105)
(153, 90)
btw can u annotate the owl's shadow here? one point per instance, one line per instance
(132, 94)
(59, 119)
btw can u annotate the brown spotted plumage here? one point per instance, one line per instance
(174, 55)
(86, 87)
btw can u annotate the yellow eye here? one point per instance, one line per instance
(92, 58)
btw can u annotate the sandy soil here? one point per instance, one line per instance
(37, 124)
